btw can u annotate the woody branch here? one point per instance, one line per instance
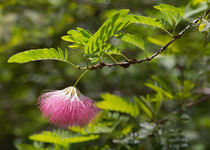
(126, 64)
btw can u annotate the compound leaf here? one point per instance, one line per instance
(171, 14)
(55, 138)
(97, 42)
(145, 20)
(132, 39)
(115, 103)
(78, 37)
(39, 54)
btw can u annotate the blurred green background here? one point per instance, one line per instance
(37, 24)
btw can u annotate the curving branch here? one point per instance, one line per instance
(199, 101)
(126, 64)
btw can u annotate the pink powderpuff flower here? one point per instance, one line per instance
(68, 107)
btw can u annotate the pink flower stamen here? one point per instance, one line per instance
(67, 107)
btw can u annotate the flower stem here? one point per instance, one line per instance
(81, 77)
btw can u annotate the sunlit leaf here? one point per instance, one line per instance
(132, 39)
(97, 45)
(108, 29)
(101, 127)
(173, 15)
(191, 9)
(158, 89)
(78, 37)
(53, 137)
(204, 26)
(144, 20)
(115, 103)
(28, 147)
(186, 89)
(39, 54)
(127, 129)
(196, 2)
(144, 107)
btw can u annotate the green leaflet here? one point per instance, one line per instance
(115, 103)
(78, 37)
(132, 39)
(28, 147)
(171, 14)
(196, 2)
(204, 26)
(186, 91)
(192, 9)
(55, 138)
(39, 54)
(145, 20)
(145, 106)
(127, 129)
(97, 43)
(159, 90)
(112, 50)
(98, 128)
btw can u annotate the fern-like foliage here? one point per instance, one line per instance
(132, 39)
(97, 43)
(78, 37)
(94, 46)
(171, 14)
(113, 123)
(58, 138)
(159, 90)
(115, 103)
(40, 54)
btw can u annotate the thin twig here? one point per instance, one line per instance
(203, 99)
(112, 58)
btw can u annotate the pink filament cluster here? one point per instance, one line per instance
(67, 107)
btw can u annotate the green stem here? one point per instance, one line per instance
(167, 32)
(72, 64)
(113, 58)
(188, 20)
(80, 77)
(174, 29)
(125, 57)
(145, 52)
(75, 66)
(68, 62)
